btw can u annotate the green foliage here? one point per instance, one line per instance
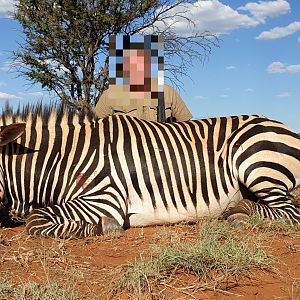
(66, 42)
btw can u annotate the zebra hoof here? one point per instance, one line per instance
(239, 215)
(110, 225)
(238, 220)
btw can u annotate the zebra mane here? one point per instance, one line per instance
(30, 112)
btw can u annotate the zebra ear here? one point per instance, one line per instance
(11, 132)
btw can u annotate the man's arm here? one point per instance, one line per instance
(178, 107)
(102, 109)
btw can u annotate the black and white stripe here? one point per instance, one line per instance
(75, 177)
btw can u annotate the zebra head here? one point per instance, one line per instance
(8, 134)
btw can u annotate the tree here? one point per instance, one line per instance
(66, 42)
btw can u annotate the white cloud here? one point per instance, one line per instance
(279, 67)
(249, 90)
(219, 18)
(9, 65)
(293, 68)
(298, 40)
(5, 96)
(266, 9)
(199, 97)
(52, 65)
(276, 67)
(5, 67)
(36, 94)
(284, 95)
(230, 67)
(6, 6)
(207, 15)
(2, 83)
(279, 32)
(32, 94)
(224, 96)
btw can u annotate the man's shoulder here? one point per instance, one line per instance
(168, 88)
(171, 94)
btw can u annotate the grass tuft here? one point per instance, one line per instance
(5, 288)
(273, 226)
(37, 291)
(216, 256)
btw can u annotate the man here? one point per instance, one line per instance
(135, 88)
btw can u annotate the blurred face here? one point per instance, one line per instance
(134, 66)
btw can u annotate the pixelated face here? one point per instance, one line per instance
(136, 66)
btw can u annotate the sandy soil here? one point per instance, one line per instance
(89, 263)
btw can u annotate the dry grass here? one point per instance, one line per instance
(26, 255)
(217, 256)
(272, 227)
(186, 259)
(59, 284)
(38, 291)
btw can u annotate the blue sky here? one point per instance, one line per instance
(256, 69)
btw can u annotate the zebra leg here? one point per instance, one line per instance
(239, 213)
(48, 222)
(276, 208)
(265, 161)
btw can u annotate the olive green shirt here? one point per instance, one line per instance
(143, 109)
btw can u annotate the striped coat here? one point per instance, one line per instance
(74, 177)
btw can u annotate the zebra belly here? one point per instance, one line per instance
(142, 212)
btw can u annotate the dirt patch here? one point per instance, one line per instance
(88, 264)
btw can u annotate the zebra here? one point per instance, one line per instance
(71, 176)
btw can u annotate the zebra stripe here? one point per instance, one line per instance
(71, 176)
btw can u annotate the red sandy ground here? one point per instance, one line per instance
(88, 264)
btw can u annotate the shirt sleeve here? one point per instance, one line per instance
(102, 109)
(178, 107)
